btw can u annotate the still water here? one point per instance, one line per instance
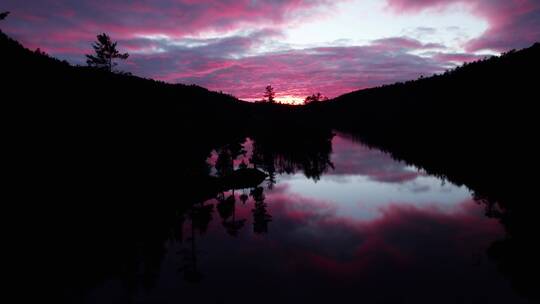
(362, 227)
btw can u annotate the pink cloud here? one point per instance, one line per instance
(418, 5)
(457, 57)
(404, 43)
(233, 64)
(126, 19)
(512, 23)
(330, 70)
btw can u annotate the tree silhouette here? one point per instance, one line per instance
(201, 216)
(224, 164)
(106, 53)
(315, 98)
(269, 94)
(227, 211)
(243, 165)
(4, 15)
(261, 216)
(38, 51)
(244, 198)
(226, 157)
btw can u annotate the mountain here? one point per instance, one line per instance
(49, 82)
(475, 124)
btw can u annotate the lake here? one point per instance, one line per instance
(348, 223)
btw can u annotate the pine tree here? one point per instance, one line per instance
(315, 98)
(106, 53)
(269, 94)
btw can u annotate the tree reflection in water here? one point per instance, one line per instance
(143, 247)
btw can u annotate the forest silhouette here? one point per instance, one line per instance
(94, 142)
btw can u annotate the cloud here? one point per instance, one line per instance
(237, 46)
(127, 19)
(457, 58)
(509, 32)
(512, 23)
(331, 70)
(404, 43)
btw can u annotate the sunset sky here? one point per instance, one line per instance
(298, 46)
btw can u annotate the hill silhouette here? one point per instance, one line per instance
(78, 130)
(75, 130)
(473, 124)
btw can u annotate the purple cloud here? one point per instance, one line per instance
(234, 46)
(512, 23)
(332, 70)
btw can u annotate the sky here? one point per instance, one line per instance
(299, 47)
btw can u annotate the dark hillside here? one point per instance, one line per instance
(72, 129)
(476, 124)
(84, 133)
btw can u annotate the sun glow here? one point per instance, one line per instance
(282, 99)
(289, 99)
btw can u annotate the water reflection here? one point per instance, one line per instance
(333, 221)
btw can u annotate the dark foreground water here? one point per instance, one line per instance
(361, 228)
